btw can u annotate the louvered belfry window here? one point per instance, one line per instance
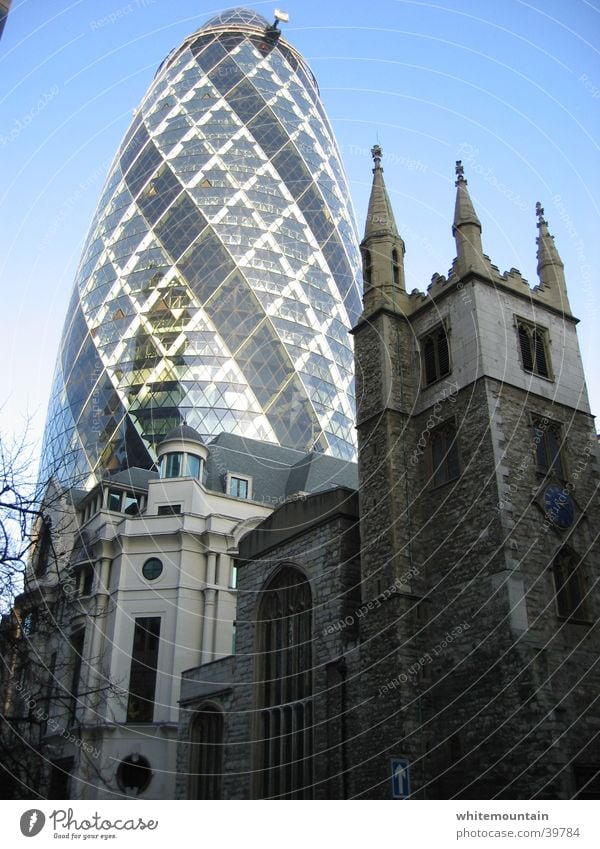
(284, 680)
(533, 341)
(435, 353)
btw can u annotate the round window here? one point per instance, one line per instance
(152, 569)
(134, 774)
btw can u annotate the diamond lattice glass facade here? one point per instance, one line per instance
(220, 274)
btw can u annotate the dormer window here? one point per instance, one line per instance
(238, 486)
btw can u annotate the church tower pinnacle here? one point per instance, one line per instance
(382, 248)
(466, 230)
(550, 268)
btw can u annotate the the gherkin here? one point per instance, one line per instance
(220, 273)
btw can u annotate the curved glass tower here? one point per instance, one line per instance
(220, 274)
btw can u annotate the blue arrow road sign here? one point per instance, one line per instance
(400, 778)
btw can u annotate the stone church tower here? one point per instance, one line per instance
(478, 485)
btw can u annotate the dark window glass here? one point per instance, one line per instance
(160, 192)
(569, 585)
(246, 101)
(180, 226)
(268, 132)
(169, 510)
(173, 465)
(206, 265)
(267, 365)
(77, 641)
(587, 781)
(209, 56)
(367, 267)
(60, 779)
(114, 500)
(226, 75)
(143, 168)
(44, 547)
(137, 141)
(206, 754)
(134, 774)
(142, 680)
(87, 580)
(152, 569)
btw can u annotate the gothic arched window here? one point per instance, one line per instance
(284, 688)
(570, 585)
(206, 753)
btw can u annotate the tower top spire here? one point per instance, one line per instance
(380, 216)
(466, 229)
(550, 268)
(464, 211)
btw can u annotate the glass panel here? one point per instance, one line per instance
(193, 466)
(172, 465)
(142, 679)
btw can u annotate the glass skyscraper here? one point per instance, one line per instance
(220, 274)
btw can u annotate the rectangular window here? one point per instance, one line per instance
(173, 465)
(144, 660)
(87, 580)
(169, 509)
(77, 641)
(60, 778)
(132, 504)
(548, 441)
(193, 466)
(114, 500)
(534, 344)
(239, 487)
(443, 454)
(435, 355)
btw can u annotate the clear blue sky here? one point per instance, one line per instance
(512, 88)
